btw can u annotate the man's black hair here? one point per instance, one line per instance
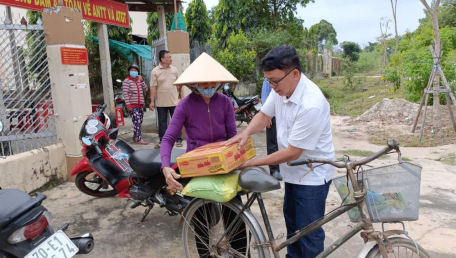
(283, 58)
(162, 54)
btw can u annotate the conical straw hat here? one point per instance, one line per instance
(205, 69)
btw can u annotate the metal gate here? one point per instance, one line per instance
(26, 108)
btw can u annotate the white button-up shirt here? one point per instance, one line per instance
(303, 120)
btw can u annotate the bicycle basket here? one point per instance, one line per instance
(393, 193)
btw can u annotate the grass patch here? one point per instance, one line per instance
(409, 140)
(359, 153)
(406, 159)
(449, 160)
(354, 103)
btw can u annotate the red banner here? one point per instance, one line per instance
(74, 56)
(102, 11)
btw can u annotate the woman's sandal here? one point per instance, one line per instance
(140, 142)
(179, 144)
(157, 146)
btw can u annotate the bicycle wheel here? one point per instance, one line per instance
(205, 223)
(402, 248)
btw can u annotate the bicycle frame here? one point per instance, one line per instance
(365, 225)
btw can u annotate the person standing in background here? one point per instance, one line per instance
(271, 133)
(164, 94)
(133, 88)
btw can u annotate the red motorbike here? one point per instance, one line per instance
(112, 167)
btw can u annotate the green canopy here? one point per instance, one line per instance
(127, 50)
(180, 22)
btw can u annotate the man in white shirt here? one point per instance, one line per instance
(303, 131)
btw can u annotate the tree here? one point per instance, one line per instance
(114, 32)
(265, 40)
(371, 47)
(248, 15)
(394, 7)
(277, 10)
(325, 34)
(384, 26)
(238, 57)
(230, 16)
(152, 21)
(198, 24)
(447, 14)
(119, 63)
(351, 50)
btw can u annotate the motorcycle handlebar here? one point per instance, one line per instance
(102, 108)
(98, 149)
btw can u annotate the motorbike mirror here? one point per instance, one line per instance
(118, 80)
(86, 141)
(226, 87)
(1, 126)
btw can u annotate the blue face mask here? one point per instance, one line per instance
(208, 93)
(133, 74)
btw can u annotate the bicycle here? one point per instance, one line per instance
(221, 236)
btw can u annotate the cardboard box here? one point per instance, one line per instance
(213, 159)
(63, 26)
(178, 42)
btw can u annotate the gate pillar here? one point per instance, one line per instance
(69, 76)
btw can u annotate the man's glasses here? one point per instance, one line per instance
(275, 83)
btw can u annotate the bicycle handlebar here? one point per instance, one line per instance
(392, 145)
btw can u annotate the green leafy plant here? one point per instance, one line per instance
(238, 57)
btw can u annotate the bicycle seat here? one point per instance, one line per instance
(256, 180)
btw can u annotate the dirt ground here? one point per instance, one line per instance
(118, 233)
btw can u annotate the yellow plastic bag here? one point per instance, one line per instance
(219, 188)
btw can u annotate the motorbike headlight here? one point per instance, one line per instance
(86, 141)
(1, 126)
(91, 127)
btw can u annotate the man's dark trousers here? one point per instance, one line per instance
(271, 144)
(163, 121)
(304, 204)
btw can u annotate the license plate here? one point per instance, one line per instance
(56, 246)
(258, 106)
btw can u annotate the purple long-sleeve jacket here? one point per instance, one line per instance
(203, 123)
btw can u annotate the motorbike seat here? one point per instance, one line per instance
(256, 180)
(14, 203)
(242, 100)
(147, 163)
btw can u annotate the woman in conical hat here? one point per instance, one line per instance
(208, 116)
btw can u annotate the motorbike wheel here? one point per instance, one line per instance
(91, 184)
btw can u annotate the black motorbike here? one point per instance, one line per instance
(25, 230)
(245, 108)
